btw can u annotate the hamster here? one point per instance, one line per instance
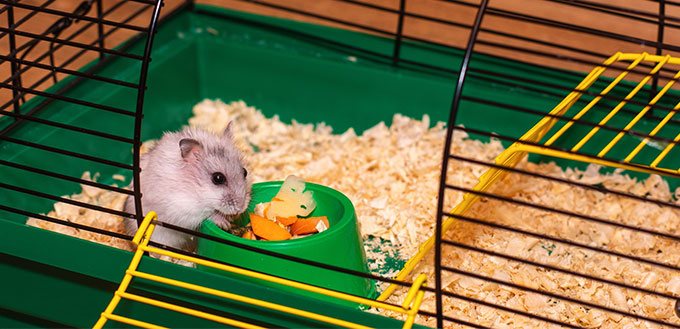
(189, 176)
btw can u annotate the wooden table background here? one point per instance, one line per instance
(415, 27)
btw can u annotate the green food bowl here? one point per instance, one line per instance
(340, 245)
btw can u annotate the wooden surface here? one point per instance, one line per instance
(491, 37)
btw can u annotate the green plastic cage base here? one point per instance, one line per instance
(57, 280)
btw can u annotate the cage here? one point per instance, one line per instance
(546, 200)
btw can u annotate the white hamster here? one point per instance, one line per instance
(189, 176)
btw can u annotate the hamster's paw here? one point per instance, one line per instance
(221, 221)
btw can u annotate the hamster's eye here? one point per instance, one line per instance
(218, 178)
(245, 173)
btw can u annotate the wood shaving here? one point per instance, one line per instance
(391, 175)
(75, 214)
(119, 177)
(608, 206)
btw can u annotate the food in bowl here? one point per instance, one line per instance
(283, 217)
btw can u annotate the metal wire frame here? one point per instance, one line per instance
(493, 77)
(614, 10)
(201, 235)
(74, 57)
(561, 51)
(453, 243)
(596, 6)
(409, 307)
(445, 164)
(96, 46)
(484, 10)
(398, 35)
(491, 224)
(444, 293)
(29, 45)
(397, 59)
(20, 65)
(571, 214)
(407, 283)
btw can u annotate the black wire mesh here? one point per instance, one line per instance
(49, 42)
(545, 34)
(606, 279)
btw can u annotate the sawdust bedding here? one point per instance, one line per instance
(391, 173)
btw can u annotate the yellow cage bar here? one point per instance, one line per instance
(529, 142)
(409, 308)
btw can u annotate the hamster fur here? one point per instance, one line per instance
(189, 176)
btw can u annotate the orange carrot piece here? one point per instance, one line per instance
(307, 225)
(248, 235)
(287, 220)
(267, 229)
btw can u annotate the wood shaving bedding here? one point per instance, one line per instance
(391, 175)
(596, 264)
(94, 196)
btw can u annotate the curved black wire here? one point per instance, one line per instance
(136, 148)
(445, 160)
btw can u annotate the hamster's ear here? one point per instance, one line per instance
(227, 133)
(189, 146)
